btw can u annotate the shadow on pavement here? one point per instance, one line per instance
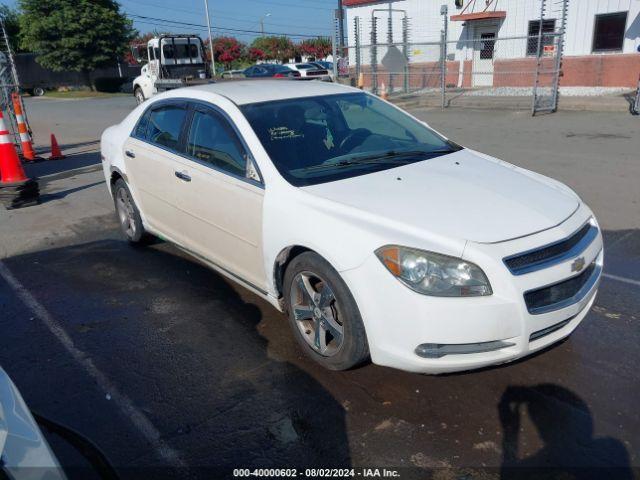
(186, 348)
(71, 162)
(564, 423)
(47, 197)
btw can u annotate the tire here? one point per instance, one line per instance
(128, 214)
(38, 92)
(139, 94)
(326, 323)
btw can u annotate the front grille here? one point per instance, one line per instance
(562, 294)
(553, 254)
(315, 73)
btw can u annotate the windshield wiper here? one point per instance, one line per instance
(391, 156)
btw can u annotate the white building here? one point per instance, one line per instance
(489, 38)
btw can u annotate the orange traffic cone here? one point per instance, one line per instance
(56, 153)
(16, 190)
(383, 92)
(25, 139)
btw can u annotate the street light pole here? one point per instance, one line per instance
(262, 23)
(213, 61)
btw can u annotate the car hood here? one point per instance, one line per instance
(464, 195)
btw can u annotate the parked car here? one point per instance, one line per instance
(232, 74)
(328, 66)
(376, 235)
(310, 72)
(266, 70)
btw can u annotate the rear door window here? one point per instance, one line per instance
(165, 125)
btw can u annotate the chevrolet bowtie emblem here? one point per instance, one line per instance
(578, 264)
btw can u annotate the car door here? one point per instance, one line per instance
(261, 72)
(150, 161)
(221, 201)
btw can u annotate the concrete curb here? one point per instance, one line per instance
(610, 103)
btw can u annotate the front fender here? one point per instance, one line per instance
(344, 236)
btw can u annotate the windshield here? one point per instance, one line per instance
(321, 139)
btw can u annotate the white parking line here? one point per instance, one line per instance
(139, 419)
(630, 281)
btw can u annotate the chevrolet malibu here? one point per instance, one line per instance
(377, 236)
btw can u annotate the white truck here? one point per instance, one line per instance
(171, 61)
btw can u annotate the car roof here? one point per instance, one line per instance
(243, 92)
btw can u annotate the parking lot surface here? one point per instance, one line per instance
(163, 363)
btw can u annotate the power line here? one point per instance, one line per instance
(217, 15)
(292, 5)
(197, 25)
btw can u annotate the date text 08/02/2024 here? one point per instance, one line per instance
(317, 473)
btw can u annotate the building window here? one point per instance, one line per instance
(548, 26)
(608, 33)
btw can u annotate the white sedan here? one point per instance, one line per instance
(377, 236)
(310, 72)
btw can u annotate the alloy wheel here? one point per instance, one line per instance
(126, 213)
(316, 313)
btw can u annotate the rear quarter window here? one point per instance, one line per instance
(140, 130)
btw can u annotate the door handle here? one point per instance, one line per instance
(183, 176)
(129, 154)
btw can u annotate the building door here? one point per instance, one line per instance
(483, 52)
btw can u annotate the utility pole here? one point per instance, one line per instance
(341, 25)
(213, 61)
(444, 11)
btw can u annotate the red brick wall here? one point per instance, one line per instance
(615, 70)
(421, 75)
(520, 72)
(466, 74)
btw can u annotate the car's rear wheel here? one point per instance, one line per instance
(323, 314)
(139, 95)
(128, 213)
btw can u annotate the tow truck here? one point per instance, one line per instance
(170, 61)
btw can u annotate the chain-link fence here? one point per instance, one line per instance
(479, 63)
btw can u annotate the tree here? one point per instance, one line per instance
(227, 50)
(275, 48)
(255, 54)
(75, 35)
(11, 19)
(318, 48)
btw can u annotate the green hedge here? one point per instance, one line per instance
(109, 84)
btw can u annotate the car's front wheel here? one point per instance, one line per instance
(128, 213)
(323, 314)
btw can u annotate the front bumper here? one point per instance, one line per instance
(419, 333)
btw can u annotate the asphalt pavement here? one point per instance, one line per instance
(166, 365)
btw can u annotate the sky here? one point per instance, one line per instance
(296, 18)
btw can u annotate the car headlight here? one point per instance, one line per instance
(433, 273)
